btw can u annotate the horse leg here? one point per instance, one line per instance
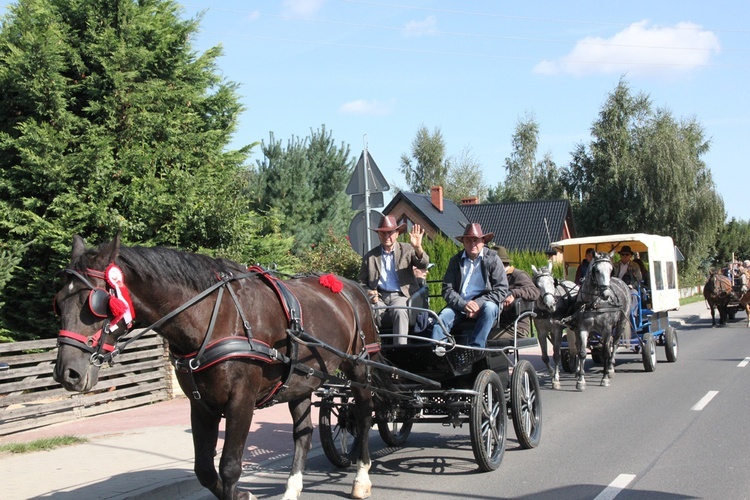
(556, 341)
(302, 432)
(205, 429)
(543, 348)
(607, 360)
(239, 416)
(713, 317)
(582, 341)
(362, 487)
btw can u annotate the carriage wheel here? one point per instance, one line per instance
(394, 433)
(526, 405)
(338, 432)
(670, 343)
(649, 352)
(568, 361)
(596, 355)
(488, 421)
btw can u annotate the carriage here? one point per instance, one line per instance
(480, 387)
(651, 299)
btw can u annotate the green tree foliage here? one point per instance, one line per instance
(465, 177)
(643, 172)
(426, 167)
(110, 121)
(305, 181)
(332, 255)
(734, 241)
(525, 177)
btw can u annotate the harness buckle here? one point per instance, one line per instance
(196, 395)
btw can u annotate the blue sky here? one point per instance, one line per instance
(376, 71)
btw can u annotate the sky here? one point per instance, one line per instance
(374, 72)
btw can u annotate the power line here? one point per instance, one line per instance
(467, 34)
(523, 18)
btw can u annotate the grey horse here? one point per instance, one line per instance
(556, 301)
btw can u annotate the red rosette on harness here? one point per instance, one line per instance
(332, 282)
(120, 304)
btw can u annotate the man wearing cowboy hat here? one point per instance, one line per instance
(627, 270)
(387, 272)
(474, 286)
(521, 288)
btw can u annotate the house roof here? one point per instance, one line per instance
(523, 225)
(451, 221)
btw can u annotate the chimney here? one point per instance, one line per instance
(436, 194)
(473, 200)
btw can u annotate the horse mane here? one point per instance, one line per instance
(189, 269)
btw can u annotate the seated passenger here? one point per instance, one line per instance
(474, 287)
(627, 270)
(521, 287)
(584, 267)
(387, 273)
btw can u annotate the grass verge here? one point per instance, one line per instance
(42, 444)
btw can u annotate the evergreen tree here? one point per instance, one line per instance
(526, 178)
(306, 181)
(109, 121)
(429, 167)
(465, 177)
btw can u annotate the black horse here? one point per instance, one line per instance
(556, 301)
(238, 338)
(602, 307)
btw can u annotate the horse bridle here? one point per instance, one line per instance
(98, 299)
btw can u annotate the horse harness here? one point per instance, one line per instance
(211, 352)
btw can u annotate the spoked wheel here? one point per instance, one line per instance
(338, 432)
(394, 433)
(488, 421)
(670, 343)
(526, 405)
(649, 352)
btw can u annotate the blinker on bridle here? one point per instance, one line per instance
(98, 303)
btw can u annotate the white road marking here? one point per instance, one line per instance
(615, 487)
(704, 400)
(744, 363)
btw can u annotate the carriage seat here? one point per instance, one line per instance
(419, 299)
(504, 323)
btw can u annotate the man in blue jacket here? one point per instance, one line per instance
(474, 286)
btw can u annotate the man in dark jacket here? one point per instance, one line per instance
(387, 272)
(521, 287)
(474, 286)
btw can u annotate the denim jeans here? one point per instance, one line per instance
(486, 319)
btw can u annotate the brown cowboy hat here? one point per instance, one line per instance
(388, 224)
(474, 230)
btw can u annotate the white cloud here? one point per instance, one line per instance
(303, 8)
(365, 107)
(639, 49)
(421, 28)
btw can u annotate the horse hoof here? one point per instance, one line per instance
(361, 490)
(556, 385)
(580, 387)
(605, 383)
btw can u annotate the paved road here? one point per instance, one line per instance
(146, 453)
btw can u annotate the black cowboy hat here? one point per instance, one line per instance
(625, 249)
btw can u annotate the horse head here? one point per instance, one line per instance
(547, 285)
(598, 276)
(94, 311)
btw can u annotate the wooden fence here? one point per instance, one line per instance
(30, 398)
